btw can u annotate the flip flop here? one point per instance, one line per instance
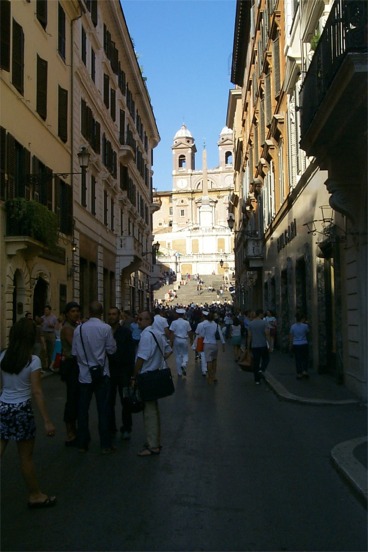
(148, 452)
(47, 503)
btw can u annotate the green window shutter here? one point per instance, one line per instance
(18, 58)
(41, 88)
(63, 114)
(5, 35)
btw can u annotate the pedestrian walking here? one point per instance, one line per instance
(48, 326)
(271, 320)
(236, 337)
(151, 355)
(258, 341)
(208, 331)
(121, 364)
(92, 342)
(136, 332)
(20, 379)
(160, 323)
(69, 371)
(298, 342)
(201, 354)
(180, 334)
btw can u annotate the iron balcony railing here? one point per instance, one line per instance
(345, 32)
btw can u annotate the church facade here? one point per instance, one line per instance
(191, 225)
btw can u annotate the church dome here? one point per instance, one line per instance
(183, 132)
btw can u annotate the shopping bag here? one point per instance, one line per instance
(246, 363)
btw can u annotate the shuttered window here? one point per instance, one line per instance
(18, 57)
(276, 65)
(106, 95)
(122, 127)
(268, 101)
(113, 104)
(61, 32)
(93, 195)
(63, 114)
(84, 46)
(93, 65)
(41, 87)
(65, 208)
(41, 12)
(5, 35)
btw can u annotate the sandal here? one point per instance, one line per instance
(148, 452)
(47, 503)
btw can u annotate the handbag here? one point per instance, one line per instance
(246, 364)
(134, 400)
(96, 372)
(200, 344)
(155, 384)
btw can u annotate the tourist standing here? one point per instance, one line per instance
(20, 379)
(92, 342)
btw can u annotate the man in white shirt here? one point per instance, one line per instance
(92, 341)
(180, 332)
(199, 332)
(151, 355)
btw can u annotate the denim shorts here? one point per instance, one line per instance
(17, 421)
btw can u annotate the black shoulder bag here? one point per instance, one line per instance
(96, 372)
(155, 384)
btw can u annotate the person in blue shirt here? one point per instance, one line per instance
(298, 342)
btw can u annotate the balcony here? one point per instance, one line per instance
(31, 227)
(333, 95)
(129, 254)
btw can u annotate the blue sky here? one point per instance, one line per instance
(185, 49)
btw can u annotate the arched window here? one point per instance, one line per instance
(182, 162)
(229, 158)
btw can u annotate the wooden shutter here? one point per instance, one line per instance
(61, 32)
(5, 35)
(41, 87)
(41, 12)
(18, 57)
(63, 114)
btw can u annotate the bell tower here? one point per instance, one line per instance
(184, 151)
(225, 146)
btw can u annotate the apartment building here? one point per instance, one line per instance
(295, 247)
(77, 139)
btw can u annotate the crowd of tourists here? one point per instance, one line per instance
(105, 359)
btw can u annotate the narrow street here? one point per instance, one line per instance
(239, 470)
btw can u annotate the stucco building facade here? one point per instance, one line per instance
(289, 152)
(70, 83)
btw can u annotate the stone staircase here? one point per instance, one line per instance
(188, 293)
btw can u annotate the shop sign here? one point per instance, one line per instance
(286, 236)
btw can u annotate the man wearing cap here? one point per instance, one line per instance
(180, 333)
(69, 371)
